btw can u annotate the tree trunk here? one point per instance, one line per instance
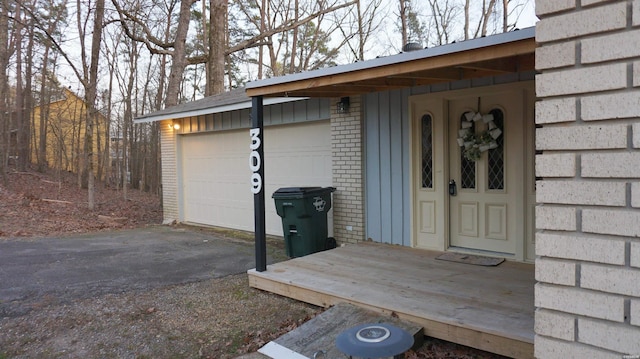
(263, 16)
(44, 112)
(28, 97)
(466, 19)
(107, 143)
(361, 34)
(205, 41)
(486, 16)
(294, 42)
(4, 86)
(217, 46)
(403, 21)
(99, 160)
(21, 136)
(505, 15)
(91, 93)
(179, 54)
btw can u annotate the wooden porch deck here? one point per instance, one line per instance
(489, 308)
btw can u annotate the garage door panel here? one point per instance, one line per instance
(215, 175)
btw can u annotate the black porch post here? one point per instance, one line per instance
(256, 163)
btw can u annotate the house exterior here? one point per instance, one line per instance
(559, 188)
(396, 151)
(205, 159)
(65, 118)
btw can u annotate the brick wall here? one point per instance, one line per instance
(588, 220)
(346, 148)
(169, 159)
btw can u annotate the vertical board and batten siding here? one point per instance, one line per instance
(277, 114)
(387, 167)
(388, 154)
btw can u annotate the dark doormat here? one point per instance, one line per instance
(470, 259)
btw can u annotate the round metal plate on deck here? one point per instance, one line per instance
(374, 340)
(373, 334)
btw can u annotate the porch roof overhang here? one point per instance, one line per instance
(492, 55)
(229, 101)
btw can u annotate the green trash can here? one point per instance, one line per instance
(304, 219)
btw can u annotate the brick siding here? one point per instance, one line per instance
(346, 148)
(587, 295)
(169, 159)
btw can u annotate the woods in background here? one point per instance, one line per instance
(77, 72)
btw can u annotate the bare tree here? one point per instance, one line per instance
(4, 86)
(405, 6)
(176, 48)
(263, 26)
(22, 134)
(485, 17)
(49, 26)
(217, 46)
(28, 94)
(90, 83)
(128, 114)
(505, 15)
(444, 13)
(466, 19)
(279, 24)
(359, 25)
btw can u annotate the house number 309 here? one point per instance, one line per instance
(255, 161)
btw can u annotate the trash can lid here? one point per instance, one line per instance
(298, 192)
(296, 189)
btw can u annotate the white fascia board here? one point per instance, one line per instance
(219, 109)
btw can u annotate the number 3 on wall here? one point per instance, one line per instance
(255, 161)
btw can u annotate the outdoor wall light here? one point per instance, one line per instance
(175, 125)
(343, 105)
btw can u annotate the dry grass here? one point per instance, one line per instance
(218, 318)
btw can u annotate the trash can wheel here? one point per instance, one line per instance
(331, 243)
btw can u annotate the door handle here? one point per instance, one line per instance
(453, 188)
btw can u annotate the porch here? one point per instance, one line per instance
(489, 308)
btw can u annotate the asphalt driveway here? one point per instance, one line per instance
(59, 270)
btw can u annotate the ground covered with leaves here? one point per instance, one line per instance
(34, 204)
(217, 318)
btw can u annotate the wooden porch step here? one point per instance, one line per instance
(488, 308)
(320, 333)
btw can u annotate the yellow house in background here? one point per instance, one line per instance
(65, 118)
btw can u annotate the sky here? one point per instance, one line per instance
(68, 78)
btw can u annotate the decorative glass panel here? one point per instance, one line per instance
(467, 167)
(427, 152)
(495, 164)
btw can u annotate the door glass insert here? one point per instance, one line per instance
(427, 151)
(495, 164)
(467, 167)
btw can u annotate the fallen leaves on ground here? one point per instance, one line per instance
(207, 319)
(35, 204)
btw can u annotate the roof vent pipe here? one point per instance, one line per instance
(411, 46)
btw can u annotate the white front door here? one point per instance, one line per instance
(486, 204)
(485, 210)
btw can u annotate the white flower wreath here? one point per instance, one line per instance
(473, 145)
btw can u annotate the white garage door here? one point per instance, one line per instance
(215, 173)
